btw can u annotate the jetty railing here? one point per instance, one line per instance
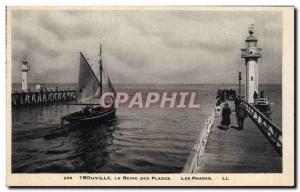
(197, 152)
(42, 97)
(269, 129)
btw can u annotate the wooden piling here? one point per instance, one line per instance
(43, 97)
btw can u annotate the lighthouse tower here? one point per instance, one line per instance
(25, 69)
(251, 54)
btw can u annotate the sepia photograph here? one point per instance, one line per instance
(159, 96)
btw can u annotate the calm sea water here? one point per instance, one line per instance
(154, 140)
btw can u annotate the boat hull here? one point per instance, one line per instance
(96, 117)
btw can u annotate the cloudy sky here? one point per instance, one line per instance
(145, 46)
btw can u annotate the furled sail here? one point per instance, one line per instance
(88, 83)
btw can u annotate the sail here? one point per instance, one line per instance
(88, 84)
(110, 86)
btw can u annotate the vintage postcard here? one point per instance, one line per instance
(150, 96)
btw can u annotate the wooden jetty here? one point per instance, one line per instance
(42, 97)
(255, 149)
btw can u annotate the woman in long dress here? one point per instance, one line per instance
(226, 116)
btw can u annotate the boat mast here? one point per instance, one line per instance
(101, 69)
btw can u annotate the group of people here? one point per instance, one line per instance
(226, 94)
(240, 109)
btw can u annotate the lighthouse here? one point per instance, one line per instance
(251, 54)
(25, 69)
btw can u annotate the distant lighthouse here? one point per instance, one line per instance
(25, 69)
(251, 54)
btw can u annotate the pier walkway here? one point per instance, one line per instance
(234, 150)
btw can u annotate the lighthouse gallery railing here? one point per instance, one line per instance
(269, 129)
(248, 53)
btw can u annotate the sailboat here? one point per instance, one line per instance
(89, 92)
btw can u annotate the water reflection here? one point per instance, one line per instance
(71, 148)
(91, 145)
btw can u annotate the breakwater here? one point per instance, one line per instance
(42, 97)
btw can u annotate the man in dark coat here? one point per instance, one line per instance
(226, 116)
(236, 103)
(241, 114)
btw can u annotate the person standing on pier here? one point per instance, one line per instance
(236, 103)
(218, 106)
(226, 116)
(223, 95)
(255, 95)
(233, 94)
(241, 114)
